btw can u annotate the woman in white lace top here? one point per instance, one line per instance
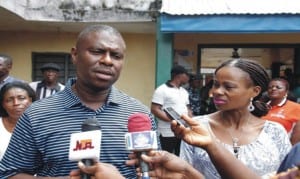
(261, 145)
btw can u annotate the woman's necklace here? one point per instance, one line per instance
(235, 140)
(235, 144)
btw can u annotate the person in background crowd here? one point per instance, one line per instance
(296, 90)
(194, 91)
(5, 67)
(207, 104)
(15, 97)
(288, 75)
(171, 94)
(49, 85)
(40, 142)
(238, 84)
(282, 110)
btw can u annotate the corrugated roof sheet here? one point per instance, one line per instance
(216, 7)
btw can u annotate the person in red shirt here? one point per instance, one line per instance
(283, 110)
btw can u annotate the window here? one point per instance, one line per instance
(61, 59)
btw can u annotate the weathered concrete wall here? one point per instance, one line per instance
(82, 10)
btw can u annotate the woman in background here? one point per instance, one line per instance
(283, 110)
(15, 97)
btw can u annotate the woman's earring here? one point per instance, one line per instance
(251, 107)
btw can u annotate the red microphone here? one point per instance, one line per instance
(138, 122)
(140, 138)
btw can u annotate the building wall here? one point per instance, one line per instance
(138, 75)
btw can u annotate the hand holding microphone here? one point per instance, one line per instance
(85, 145)
(98, 170)
(168, 165)
(141, 139)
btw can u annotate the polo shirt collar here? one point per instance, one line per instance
(114, 96)
(281, 103)
(168, 83)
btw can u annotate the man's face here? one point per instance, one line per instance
(50, 75)
(184, 79)
(99, 58)
(4, 68)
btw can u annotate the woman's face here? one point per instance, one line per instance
(277, 89)
(15, 101)
(233, 89)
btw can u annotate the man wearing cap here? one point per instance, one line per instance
(49, 85)
(171, 94)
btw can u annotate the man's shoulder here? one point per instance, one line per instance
(62, 86)
(11, 79)
(120, 97)
(183, 89)
(34, 83)
(162, 87)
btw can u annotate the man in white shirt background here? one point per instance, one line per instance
(171, 94)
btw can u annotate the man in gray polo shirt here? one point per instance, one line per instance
(40, 142)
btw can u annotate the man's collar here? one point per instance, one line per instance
(168, 83)
(114, 96)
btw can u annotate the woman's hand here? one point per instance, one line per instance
(197, 134)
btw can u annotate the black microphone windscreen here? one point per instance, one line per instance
(90, 124)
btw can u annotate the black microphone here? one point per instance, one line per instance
(89, 124)
(85, 145)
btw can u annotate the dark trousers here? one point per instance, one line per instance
(170, 144)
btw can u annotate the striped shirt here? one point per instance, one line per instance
(40, 142)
